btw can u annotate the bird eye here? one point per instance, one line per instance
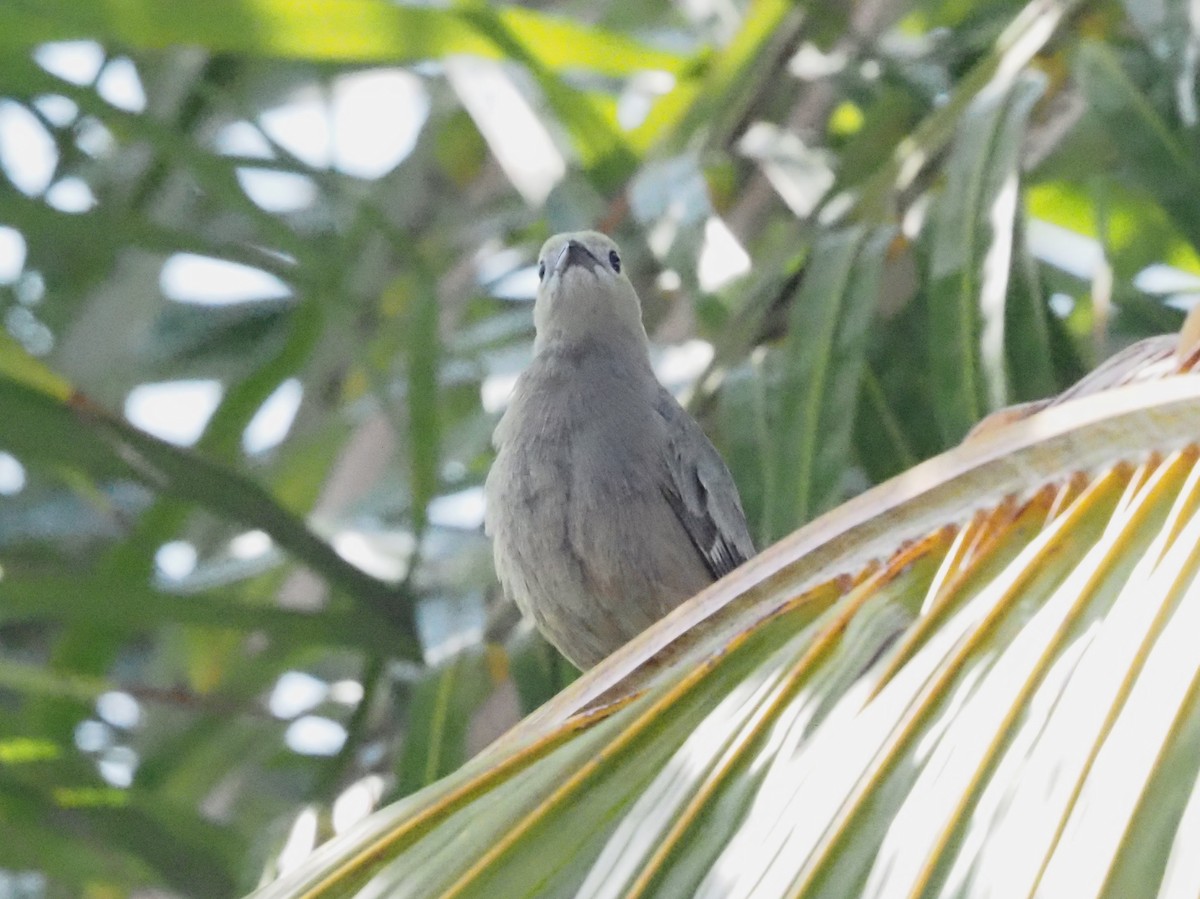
(615, 260)
(541, 270)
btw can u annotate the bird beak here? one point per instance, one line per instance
(574, 253)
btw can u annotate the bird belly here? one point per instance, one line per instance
(611, 558)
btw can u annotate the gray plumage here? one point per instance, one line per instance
(606, 504)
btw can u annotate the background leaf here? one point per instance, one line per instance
(265, 272)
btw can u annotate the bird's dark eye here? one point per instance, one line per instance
(615, 260)
(541, 270)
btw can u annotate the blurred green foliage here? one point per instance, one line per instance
(922, 209)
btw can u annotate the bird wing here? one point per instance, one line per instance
(701, 492)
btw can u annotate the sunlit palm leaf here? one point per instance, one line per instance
(357, 30)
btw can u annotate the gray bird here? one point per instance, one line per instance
(606, 504)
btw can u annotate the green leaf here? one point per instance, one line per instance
(82, 436)
(538, 670)
(1153, 152)
(1016, 46)
(1028, 323)
(439, 717)
(881, 438)
(325, 30)
(424, 353)
(137, 608)
(719, 99)
(32, 837)
(811, 415)
(972, 254)
(601, 147)
(191, 854)
(18, 366)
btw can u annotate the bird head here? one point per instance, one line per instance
(584, 292)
